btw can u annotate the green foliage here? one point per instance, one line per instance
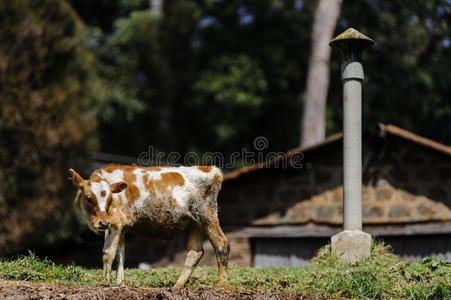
(383, 276)
(196, 79)
(31, 268)
(145, 69)
(232, 81)
(166, 76)
(232, 90)
(48, 115)
(122, 54)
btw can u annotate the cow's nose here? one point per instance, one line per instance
(103, 224)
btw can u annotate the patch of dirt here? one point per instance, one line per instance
(29, 290)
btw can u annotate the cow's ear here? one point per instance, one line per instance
(76, 179)
(118, 187)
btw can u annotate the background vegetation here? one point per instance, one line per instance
(49, 98)
(203, 75)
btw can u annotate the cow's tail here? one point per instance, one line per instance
(217, 180)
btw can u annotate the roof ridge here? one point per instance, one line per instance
(408, 135)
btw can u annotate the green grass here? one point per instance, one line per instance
(383, 276)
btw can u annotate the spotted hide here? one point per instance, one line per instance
(153, 202)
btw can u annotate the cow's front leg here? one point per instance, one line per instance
(120, 256)
(112, 237)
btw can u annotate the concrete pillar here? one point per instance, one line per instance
(352, 244)
(352, 77)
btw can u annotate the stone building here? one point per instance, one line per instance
(280, 216)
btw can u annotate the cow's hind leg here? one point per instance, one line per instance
(220, 245)
(194, 254)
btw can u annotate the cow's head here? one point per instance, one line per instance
(95, 200)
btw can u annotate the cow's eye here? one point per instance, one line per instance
(89, 200)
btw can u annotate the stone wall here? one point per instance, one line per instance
(403, 182)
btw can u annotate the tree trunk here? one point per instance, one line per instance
(156, 7)
(313, 127)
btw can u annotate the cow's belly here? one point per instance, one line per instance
(160, 220)
(149, 229)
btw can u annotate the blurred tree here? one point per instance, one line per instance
(313, 123)
(232, 90)
(162, 74)
(148, 64)
(272, 37)
(49, 96)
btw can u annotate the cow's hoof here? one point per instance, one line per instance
(120, 283)
(105, 282)
(221, 283)
(178, 286)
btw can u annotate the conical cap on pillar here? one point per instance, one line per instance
(351, 43)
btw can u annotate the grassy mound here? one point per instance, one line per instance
(383, 276)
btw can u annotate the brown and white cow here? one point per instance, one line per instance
(153, 202)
